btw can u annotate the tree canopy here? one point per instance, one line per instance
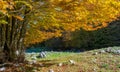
(50, 18)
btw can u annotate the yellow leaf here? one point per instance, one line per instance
(18, 17)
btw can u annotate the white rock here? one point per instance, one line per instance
(72, 61)
(109, 49)
(113, 51)
(102, 51)
(94, 69)
(2, 69)
(42, 54)
(118, 51)
(60, 64)
(17, 52)
(95, 53)
(51, 70)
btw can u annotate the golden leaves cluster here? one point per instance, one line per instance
(4, 5)
(89, 14)
(55, 16)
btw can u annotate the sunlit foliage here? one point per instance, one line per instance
(56, 16)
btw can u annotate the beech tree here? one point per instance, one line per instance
(48, 16)
(13, 23)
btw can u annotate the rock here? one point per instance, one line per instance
(113, 51)
(118, 51)
(72, 61)
(102, 51)
(2, 69)
(94, 69)
(60, 64)
(109, 49)
(17, 52)
(51, 70)
(95, 53)
(42, 55)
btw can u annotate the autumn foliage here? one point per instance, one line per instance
(51, 18)
(24, 22)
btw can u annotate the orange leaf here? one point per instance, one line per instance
(18, 17)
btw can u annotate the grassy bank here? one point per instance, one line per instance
(90, 61)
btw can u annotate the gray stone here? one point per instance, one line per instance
(102, 51)
(95, 53)
(113, 51)
(51, 70)
(94, 69)
(17, 52)
(60, 64)
(42, 55)
(117, 52)
(72, 61)
(2, 69)
(109, 49)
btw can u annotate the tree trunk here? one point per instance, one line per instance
(12, 40)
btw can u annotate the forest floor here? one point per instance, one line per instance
(99, 60)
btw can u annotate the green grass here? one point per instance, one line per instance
(57, 55)
(85, 62)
